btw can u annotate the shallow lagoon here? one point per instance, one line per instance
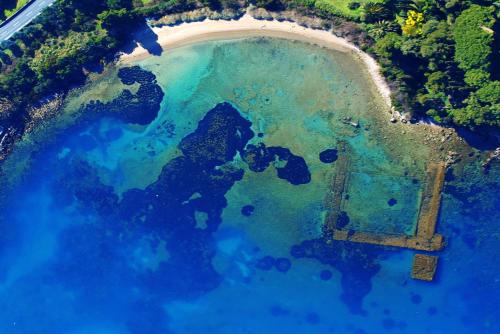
(99, 236)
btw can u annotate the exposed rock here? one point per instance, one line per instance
(42, 111)
(452, 158)
(349, 121)
(261, 14)
(7, 139)
(492, 158)
(7, 109)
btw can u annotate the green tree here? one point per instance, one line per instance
(476, 77)
(386, 46)
(62, 58)
(490, 93)
(117, 21)
(483, 107)
(473, 39)
(436, 44)
(19, 83)
(376, 11)
(5, 58)
(436, 82)
(378, 29)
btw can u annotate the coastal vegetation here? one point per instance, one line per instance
(10, 7)
(346, 8)
(440, 57)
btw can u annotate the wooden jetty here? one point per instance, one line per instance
(424, 267)
(339, 186)
(425, 237)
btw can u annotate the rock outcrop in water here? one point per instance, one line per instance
(220, 134)
(140, 108)
(259, 157)
(195, 181)
(328, 156)
(165, 211)
(131, 75)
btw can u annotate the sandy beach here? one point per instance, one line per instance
(170, 37)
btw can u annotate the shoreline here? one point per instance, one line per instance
(171, 37)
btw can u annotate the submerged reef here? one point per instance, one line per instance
(131, 75)
(220, 134)
(328, 156)
(247, 210)
(81, 182)
(164, 213)
(259, 157)
(140, 108)
(356, 262)
(162, 217)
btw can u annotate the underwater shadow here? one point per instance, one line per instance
(482, 139)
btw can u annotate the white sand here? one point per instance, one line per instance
(247, 26)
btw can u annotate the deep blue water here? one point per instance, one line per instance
(208, 223)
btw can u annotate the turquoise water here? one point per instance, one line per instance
(200, 208)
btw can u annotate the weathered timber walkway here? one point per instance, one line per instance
(425, 238)
(424, 267)
(339, 186)
(431, 201)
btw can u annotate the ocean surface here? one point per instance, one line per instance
(191, 194)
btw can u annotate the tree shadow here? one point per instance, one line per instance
(145, 37)
(94, 67)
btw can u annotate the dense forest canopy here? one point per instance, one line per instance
(441, 56)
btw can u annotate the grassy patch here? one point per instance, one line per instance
(342, 8)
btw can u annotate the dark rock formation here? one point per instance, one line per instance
(259, 157)
(220, 134)
(328, 156)
(247, 210)
(140, 108)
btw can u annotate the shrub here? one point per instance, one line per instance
(374, 11)
(476, 77)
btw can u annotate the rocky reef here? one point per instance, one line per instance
(220, 134)
(196, 181)
(259, 157)
(140, 108)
